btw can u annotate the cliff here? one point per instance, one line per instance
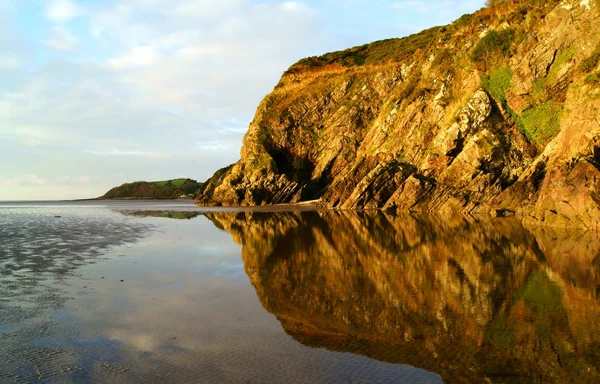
(496, 113)
(169, 189)
(474, 301)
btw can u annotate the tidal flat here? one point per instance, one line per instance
(161, 291)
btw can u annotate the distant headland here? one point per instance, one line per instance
(166, 189)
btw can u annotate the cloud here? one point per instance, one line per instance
(70, 180)
(117, 152)
(294, 6)
(32, 179)
(22, 180)
(157, 88)
(438, 7)
(200, 51)
(9, 60)
(60, 11)
(223, 66)
(137, 57)
(215, 145)
(62, 39)
(33, 143)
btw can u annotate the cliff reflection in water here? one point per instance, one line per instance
(467, 300)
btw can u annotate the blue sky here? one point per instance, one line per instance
(100, 92)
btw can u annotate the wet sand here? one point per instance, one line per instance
(90, 293)
(164, 291)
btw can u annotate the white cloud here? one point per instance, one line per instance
(60, 11)
(33, 143)
(22, 180)
(62, 39)
(200, 51)
(215, 145)
(221, 64)
(33, 179)
(9, 61)
(118, 152)
(7, 182)
(436, 6)
(162, 87)
(62, 179)
(137, 57)
(201, 9)
(70, 180)
(294, 6)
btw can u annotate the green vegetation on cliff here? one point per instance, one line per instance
(378, 52)
(458, 118)
(167, 189)
(492, 45)
(498, 83)
(592, 61)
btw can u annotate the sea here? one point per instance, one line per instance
(167, 292)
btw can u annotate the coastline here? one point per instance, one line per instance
(305, 206)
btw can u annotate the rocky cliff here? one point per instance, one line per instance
(497, 113)
(474, 301)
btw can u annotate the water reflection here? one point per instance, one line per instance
(178, 215)
(472, 301)
(97, 296)
(141, 299)
(42, 251)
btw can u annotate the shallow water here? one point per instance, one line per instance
(162, 292)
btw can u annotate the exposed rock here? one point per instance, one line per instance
(425, 123)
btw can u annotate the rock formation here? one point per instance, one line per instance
(497, 113)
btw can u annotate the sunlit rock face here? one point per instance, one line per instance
(496, 113)
(471, 301)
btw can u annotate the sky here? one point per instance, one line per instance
(96, 93)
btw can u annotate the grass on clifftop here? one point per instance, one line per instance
(519, 14)
(176, 183)
(378, 52)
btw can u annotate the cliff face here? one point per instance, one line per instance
(496, 113)
(472, 301)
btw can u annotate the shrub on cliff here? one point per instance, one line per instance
(591, 62)
(493, 44)
(498, 83)
(541, 122)
(593, 78)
